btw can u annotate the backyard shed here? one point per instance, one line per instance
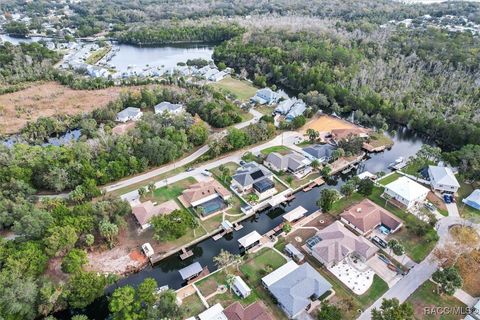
(293, 252)
(241, 288)
(295, 214)
(191, 271)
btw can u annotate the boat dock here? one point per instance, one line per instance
(186, 254)
(313, 184)
(345, 165)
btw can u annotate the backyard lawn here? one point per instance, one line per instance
(426, 296)
(242, 90)
(415, 165)
(278, 149)
(340, 205)
(378, 288)
(416, 247)
(254, 269)
(386, 180)
(192, 305)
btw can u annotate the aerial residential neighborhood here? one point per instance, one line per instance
(235, 160)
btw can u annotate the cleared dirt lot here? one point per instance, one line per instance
(48, 99)
(327, 123)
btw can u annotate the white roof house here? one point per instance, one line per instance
(241, 288)
(129, 114)
(213, 313)
(266, 96)
(218, 76)
(278, 274)
(406, 191)
(295, 214)
(250, 239)
(168, 107)
(443, 179)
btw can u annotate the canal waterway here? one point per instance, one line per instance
(406, 144)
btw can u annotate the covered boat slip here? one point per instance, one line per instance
(295, 214)
(191, 271)
(250, 240)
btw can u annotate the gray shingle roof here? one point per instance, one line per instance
(443, 175)
(191, 270)
(250, 173)
(167, 106)
(320, 150)
(294, 290)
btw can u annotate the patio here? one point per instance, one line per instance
(353, 273)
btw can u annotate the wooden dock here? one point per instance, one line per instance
(186, 254)
(237, 226)
(317, 182)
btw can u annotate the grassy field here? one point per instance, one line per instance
(192, 305)
(427, 297)
(417, 248)
(384, 181)
(97, 55)
(171, 191)
(242, 90)
(379, 139)
(340, 205)
(254, 269)
(415, 165)
(278, 149)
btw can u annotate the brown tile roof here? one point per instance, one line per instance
(255, 311)
(366, 215)
(204, 189)
(337, 242)
(340, 134)
(146, 210)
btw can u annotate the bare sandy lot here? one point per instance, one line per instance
(327, 124)
(49, 99)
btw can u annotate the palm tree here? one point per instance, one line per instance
(230, 279)
(315, 164)
(142, 191)
(151, 187)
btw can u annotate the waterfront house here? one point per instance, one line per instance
(241, 288)
(250, 240)
(335, 242)
(145, 211)
(405, 193)
(320, 152)
(343, 134)
(442, 179)
(168, 107)
(218, 76)
(254, 311)
(254, 177)
(129, 114)
(365, 216)
(473, 200)
(291, 162)
(265, 96)
(207, 196)
(295, 287)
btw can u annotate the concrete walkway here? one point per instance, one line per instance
(465, 298)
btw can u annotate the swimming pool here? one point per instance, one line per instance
(212, 206)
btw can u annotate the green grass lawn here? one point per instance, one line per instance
(378, 288)
(466, 212)
(378, 139)
(415, 165)
(242, 90)
(340, 205)
(265, 110)
(394, 176)
(417, 248)
(95, 56)
(278, 149)
(192, 305)
(171, 191)
(254, 269)
(296, 183)
(426, 296)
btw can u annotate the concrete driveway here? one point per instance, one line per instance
(381, 269)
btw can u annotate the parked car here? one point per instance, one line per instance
(147, 249)
(206, 173)
(189, 169)
(379, 242)
(429, 206)
(448, 198)
(242, 163)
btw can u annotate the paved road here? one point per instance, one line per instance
(190, 158)
(287, 138)
(423, 271)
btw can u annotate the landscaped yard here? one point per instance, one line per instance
(225, 181)
(378, 288)
(415, 165)
(265, 110)
(416, 247)
(388, 179)
(242, 90)
(278, 149)
(427, 297)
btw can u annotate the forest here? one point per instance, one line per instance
(384, 82)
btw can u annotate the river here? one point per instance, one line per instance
(165, 272)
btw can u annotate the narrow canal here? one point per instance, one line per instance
(165, 272)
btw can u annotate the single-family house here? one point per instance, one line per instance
(240, 287)
(215, 312)
(207, 196)
(291, 108)
(473, 200)
(250, 240)
(284, 106)
(145, 211)
(320, 152)
(129, 114)
(210, 72)
(342, 134)
(443, 179)
(254, 311)
(168, 107)
(365, 216)
(218, 76)
(254, 176)
(405, 192)
(265, 96)
(295, 287)
(291, 162)
(335, 242)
